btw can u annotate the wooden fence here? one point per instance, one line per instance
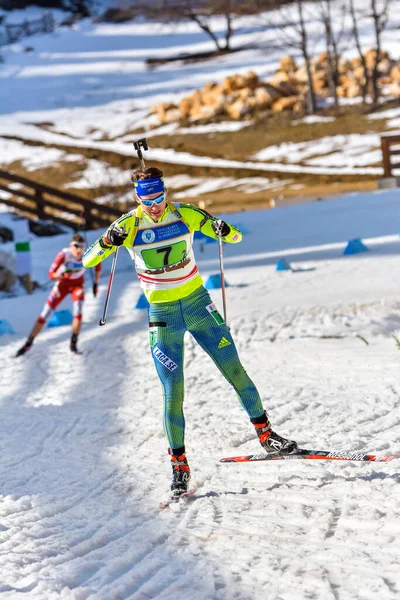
(9, 34)
(387, 143)
(35, 200)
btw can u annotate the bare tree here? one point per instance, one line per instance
(292, 33)
(357, 40)
(380, 17)
(378, 11)
(334, 35)
(203, 13)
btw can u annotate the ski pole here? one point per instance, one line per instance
(138, 145)
(110, 281)
(42, 287)
(221, 268)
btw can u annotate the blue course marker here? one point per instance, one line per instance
(5, 328)
(142, 302)
(283, 265)
(60, 318)
(355, 247)
(214, 282)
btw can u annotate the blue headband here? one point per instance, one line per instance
(144, 187)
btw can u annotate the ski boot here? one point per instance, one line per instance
(180, 472)
(73, 344)
(25, 347)
(271, 441)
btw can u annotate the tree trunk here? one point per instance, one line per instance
(311, 100)
(205, 28)
(358, 44)
(378, 25)
(332, 61)
(229, 32)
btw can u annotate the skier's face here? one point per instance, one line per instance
(156, 209)
(76, 249)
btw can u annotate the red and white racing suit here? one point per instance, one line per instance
(69, 273)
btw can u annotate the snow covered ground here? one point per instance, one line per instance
(83, 461)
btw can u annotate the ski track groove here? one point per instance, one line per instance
(202, 527)
(139, 561)
(336, 514)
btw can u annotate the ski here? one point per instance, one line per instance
(176, 499)
(302, 453)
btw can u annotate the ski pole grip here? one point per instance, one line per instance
(138, 145)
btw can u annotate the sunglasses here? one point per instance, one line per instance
(157, 200)
(76, 245)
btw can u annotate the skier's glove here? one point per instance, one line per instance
(220, 228)
(116, 236)
(95, 289)
(60, 275)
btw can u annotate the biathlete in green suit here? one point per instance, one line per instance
(159, 237)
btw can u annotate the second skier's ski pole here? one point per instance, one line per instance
(110, 281)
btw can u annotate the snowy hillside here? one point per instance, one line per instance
(89, 87)
(83, 461)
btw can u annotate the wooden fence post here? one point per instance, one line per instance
(39, 205)
(87, 217)
(387, 167)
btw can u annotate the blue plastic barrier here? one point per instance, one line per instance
(283, 265)
(142, 302)
(60, 318)
(355, 247)
(5, 328)
(214, 282)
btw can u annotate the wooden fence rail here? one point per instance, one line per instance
(387, 143)
(35, 200)
(9, 34)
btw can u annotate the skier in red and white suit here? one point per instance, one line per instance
(69, 274)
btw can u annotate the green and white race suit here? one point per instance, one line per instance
(166, 266)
